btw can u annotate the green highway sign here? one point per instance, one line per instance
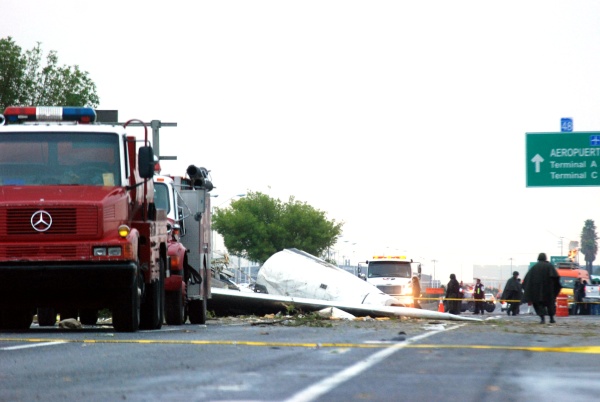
(562, 159)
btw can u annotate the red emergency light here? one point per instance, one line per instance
(17, 114)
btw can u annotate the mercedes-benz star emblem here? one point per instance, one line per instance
(41, 221)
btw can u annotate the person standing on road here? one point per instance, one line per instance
(479, 296)
(522, 296)
(453, 295)
(576, 306)
(578, 296)
(416, 292)
(513, 294)
(542, 285)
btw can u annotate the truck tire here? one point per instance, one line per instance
(174, 308)
(197, 311)
(471, 307)
(16, 318)
(126, 315)
(154, 302)
(88, 316)
(46, 316)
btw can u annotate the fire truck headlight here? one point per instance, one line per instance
(124, 231)
(110, 251)
(114, 251)
(100, 251)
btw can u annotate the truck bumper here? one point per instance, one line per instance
(93, 285)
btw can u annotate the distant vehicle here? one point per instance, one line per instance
(468, 304)
(392, 275)
(569, 273)
(490, 304)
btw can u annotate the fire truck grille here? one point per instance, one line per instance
(41, 251)
(81, 221)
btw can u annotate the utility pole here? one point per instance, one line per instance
(434, 261)
(560, 242)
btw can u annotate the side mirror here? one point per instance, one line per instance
(146, 162)
(362, 276)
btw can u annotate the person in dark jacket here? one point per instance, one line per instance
(479, 296)
(416, 292)
(579, 295)
(542, 285)
(453, 295)
(512, 294)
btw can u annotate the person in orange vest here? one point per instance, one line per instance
(479, 296)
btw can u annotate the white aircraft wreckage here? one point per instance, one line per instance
(293, 279)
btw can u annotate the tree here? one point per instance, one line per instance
(257, 226)
(12, 72)
(24, 81)
(589, 243)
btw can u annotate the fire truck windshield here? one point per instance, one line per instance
(59, 158)
(378, 269)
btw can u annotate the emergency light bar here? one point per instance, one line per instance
(395, 257)
(16, 114)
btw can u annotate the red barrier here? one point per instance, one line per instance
(562, 306)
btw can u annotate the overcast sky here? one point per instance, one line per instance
(405, 120)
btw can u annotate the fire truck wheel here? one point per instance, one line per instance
(197, 311)
(18, 318)
(88, 316)
(46, 317)
(126, 315)
(174, 308)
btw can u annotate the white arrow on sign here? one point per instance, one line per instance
(537, 159)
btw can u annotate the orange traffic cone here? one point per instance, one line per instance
(441, 306)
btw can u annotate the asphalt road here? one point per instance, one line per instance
(276, 359)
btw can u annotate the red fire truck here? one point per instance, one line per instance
(188, 281)
(79, 230)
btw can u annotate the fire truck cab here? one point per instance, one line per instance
(79, 230)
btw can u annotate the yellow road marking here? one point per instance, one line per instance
(567, 349)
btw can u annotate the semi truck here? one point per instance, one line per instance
(79, 228)
(188, 278)
(392, 275)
